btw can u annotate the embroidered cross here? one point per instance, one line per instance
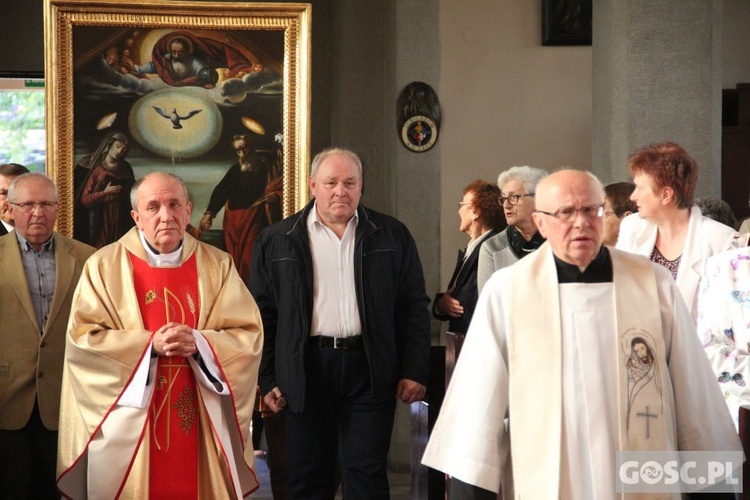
(648, 421)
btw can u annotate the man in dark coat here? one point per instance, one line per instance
(342, 296)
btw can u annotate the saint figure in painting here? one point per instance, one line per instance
(103, 198)
(250, 193)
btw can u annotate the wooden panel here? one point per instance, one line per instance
(427, 483)
(453, 344)
(735, 149)
(744, 426)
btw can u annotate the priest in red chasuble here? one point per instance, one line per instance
(161, 363)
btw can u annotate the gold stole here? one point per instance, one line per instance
(535, 347)
(170, 294)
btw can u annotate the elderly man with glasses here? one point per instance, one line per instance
(521, 237)
(39, 270)
(552, 343)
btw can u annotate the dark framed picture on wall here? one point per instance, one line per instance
(566, 22)
(215, 92)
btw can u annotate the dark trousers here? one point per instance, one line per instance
(28, 458)
(277, 462)
(340, 417)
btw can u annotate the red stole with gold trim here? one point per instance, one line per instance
(170, 294)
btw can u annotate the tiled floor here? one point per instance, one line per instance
(400, 483)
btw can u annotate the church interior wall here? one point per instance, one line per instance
(506, 100)
(735, 42)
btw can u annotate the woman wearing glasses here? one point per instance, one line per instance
(517, 185)
(480, 217)
(669, 228)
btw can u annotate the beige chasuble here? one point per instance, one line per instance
(103, 443)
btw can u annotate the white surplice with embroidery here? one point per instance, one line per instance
(471, 439)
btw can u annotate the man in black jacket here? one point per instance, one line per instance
(342, 296)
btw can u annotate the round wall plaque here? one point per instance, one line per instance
(418, 117)
(419, 133)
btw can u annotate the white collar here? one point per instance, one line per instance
(161, 259)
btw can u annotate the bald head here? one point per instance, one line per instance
(569, 215)
(567, 181)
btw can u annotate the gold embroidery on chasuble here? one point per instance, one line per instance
(187, 409)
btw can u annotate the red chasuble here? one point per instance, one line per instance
(170, 294)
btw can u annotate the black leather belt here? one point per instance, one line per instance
(324, 342)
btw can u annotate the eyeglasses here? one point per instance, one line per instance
(569, 214)
(28, 206)
(462, 203)
(513, 199)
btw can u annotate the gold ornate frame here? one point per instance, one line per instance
(64, 20)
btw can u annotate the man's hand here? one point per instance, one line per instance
(274, 400)
(174, 339)
(449, 305)
(410, 391)
(206, 221)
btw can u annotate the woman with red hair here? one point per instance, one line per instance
(480, 216)
(669, 228)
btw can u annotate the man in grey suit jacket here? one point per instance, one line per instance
(39, 270)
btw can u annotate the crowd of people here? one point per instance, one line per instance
(611, 359)
(602, 319)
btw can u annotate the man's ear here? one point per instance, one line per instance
(539, 221)
(627, 212)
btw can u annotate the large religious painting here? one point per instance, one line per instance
(217, 93)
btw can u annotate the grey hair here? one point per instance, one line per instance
(718, 210)
(528, 176)
(326, 153)
(134, 190)
(27, 177)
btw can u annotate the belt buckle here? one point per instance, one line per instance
(336, 341)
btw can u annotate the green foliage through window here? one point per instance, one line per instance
(22, 138)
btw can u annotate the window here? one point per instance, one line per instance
(22, 135)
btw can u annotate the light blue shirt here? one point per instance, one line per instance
(39, 268)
